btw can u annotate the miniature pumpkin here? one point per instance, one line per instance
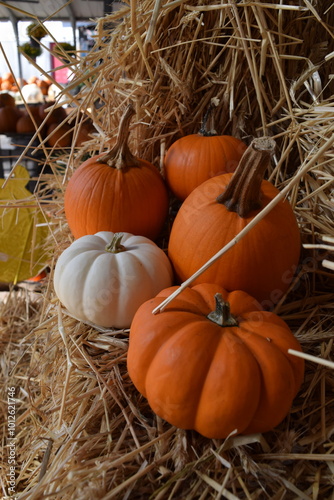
(214, 362)
(116, 191)
(194, 158)
(264, 261)
(104, 278)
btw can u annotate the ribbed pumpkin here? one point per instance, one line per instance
(116, 191)
(194, 158)
(104, 278)
(214, 362)
(264, 261)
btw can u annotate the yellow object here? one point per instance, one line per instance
(23, 230)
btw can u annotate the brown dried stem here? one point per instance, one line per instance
(243, 193)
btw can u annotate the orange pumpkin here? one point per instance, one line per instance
(195, 158)
(33, 79)
(8, 76)
(7, 99)
(6, 85)
(8, 119)
(117, 192)
(34, 110)
(26, 125)
(214, 362)
(43, 85)
(83, 133)
(59, 136)
(51, 114)
(264, 261)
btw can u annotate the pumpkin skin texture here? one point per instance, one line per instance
(262, 263)
(197, 374)
(116, 192)
(105, 286)
(195, 158)
(102, 198)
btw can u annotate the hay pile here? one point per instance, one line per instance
(83, 432)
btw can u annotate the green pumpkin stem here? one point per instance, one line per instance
(120, 156)
(115, 245)
(243, 193)
(222, 315)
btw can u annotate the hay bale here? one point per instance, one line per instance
(82, 430)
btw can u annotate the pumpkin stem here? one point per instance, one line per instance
(120, 155)
(222, 315)
(204, 127)
(243, 193)
(115, 245)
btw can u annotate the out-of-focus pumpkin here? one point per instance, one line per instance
(83, 133)
(104, 278)
(34, 110)
(8, 76)
(214, 362)
(264, 261)
(116, 191)
(32, 79)
(7, 99)
(44, 86)
(8, 119)
(59, 136)
(27, 125)
(6, 85)
(51, 114)
(54, 92)
(31, 93)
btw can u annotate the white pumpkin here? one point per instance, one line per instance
(32, 93)
(104, 278)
